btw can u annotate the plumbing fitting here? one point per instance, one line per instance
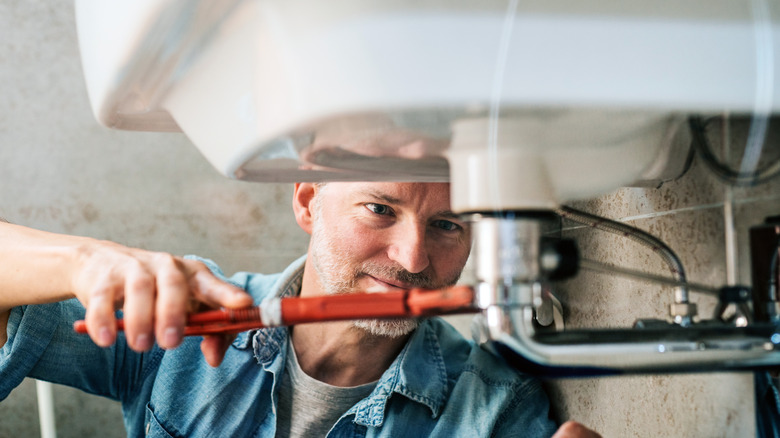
(509, 272)
(682, 310)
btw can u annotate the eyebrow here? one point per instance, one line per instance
(384, 197)
(448, 214)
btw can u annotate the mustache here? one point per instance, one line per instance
(422, 279)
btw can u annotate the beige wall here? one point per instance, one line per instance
(60, 171)
(687, 214)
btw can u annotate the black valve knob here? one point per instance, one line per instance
(734, 294)
(560, 259)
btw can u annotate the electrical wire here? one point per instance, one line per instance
(723, 171)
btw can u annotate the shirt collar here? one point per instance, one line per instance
(418, 373)
(267, 342)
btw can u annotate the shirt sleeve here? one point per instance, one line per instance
(43, 345)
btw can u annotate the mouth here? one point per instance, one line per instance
(385, 285)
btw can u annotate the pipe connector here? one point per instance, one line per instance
(683, 313)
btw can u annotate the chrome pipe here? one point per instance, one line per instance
(509, 278)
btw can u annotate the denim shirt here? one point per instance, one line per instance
(439, 385)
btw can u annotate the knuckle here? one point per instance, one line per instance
(142, 282)
(99, 293)
(122, 266)
(169, 267)
(199, 267)
(172, 284)
(166, 260)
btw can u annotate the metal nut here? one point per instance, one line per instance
(682, 309)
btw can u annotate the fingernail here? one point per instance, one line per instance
(171, 337)
(142, 342)
(104, 336)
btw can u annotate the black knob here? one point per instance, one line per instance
(560, 259)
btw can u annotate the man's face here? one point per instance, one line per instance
(379, 237)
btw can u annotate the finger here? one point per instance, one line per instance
(214, 348)
(139, 310)
(572, 429)
(100, 318)
(216, 293)
(173, 295)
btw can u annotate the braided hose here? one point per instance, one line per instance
(639, 236)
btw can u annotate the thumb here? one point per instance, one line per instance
(214, 348)
(216, 293)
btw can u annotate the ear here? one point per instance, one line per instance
(302, 198)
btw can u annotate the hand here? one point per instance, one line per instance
(572, 429)
(155, 290)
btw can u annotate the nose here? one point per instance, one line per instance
(408, 248)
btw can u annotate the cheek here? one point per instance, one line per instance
(356, 242)
(449, 261)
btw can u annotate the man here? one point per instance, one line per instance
(362, 378)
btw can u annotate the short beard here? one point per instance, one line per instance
(337, 277)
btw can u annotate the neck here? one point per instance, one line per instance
(337, 352)
(341, 355)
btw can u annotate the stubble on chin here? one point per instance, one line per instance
(337, 278)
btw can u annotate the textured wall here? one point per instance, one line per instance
(687, 214)
(60, 171)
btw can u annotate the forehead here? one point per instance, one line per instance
(434, 196)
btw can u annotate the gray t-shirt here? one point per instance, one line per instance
(308, 407)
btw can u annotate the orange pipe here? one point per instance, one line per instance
(301, 310)
(341, 307)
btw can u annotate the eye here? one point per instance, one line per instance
(446, 225)
(379, 208)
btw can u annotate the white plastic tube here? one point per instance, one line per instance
(46, 409)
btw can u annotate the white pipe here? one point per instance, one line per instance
(730, 235)
(46, 409)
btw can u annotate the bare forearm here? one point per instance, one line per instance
(35, 266)
(33, 269)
